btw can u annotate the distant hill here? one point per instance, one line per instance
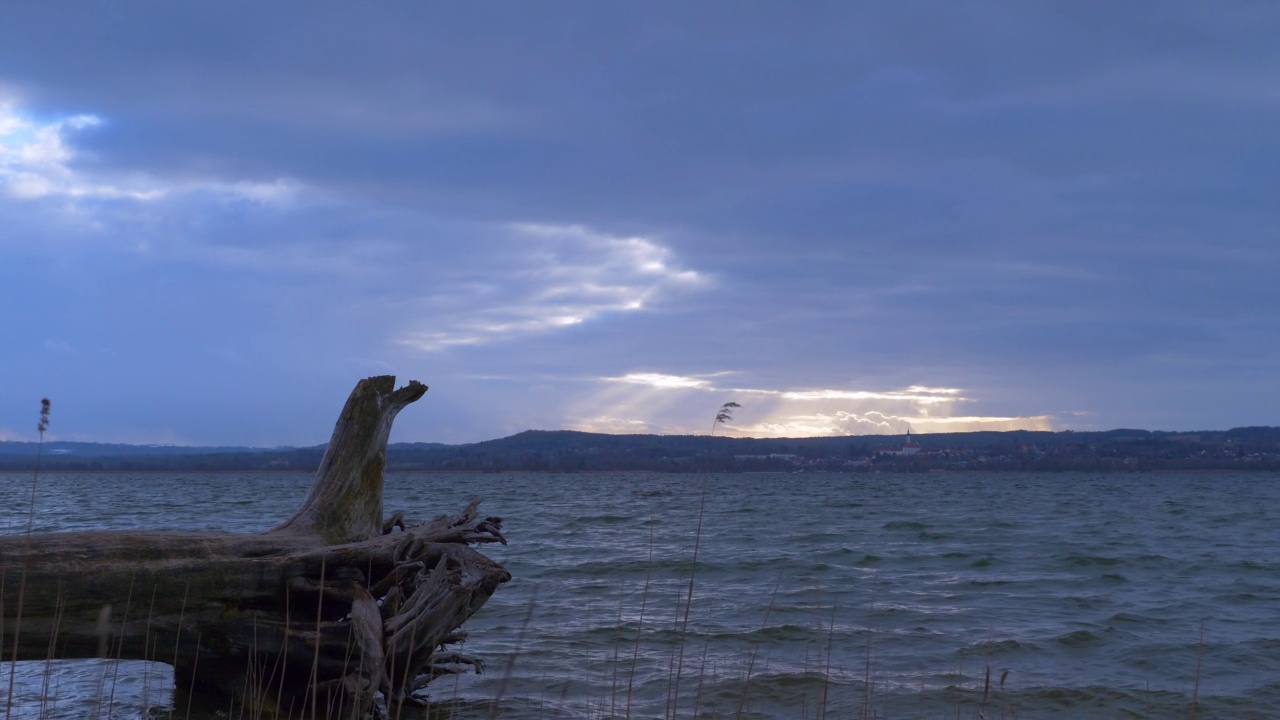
(1247, 448)
(88, 449)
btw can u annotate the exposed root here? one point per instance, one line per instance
(432, 583)
(396, 520)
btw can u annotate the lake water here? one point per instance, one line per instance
(1080, 596)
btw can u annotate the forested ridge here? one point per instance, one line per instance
(571, 451)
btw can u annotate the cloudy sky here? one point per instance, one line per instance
(216, 217)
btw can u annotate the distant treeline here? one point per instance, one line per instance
(1251, 448)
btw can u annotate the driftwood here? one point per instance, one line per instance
(323, 613)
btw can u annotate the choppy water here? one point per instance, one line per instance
(867, 595)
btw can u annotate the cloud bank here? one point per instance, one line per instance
(579, 215)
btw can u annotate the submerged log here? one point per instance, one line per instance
(324, 612)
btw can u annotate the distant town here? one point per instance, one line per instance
(1249, 448)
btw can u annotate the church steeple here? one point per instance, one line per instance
(910, 447)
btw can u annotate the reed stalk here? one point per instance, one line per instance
(688, 601)
(617, 645)
(41, 427)
(826, 672)
(644, 598)
(509, 670)
(1195, 692)
(755, 650)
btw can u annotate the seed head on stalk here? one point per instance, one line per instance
(35, 479)
(724, 416)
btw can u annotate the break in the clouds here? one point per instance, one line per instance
(942, 215)
(648, 401)
(34, 157)
(551, 277)
(38, 160)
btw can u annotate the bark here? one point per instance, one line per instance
(326, 611)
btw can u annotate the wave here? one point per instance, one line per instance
(602, 519)
(1127, 618)
(904, 525)
(987, 648)
(1078, 639)
(1090, 560)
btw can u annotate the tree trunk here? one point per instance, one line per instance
(324, 611)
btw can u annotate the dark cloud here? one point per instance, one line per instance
(980, 196)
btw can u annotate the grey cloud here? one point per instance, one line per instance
(482, 98)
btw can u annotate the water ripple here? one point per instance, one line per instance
(1047, 596)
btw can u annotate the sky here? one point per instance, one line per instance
(850, 218)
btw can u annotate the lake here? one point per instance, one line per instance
(887, 596)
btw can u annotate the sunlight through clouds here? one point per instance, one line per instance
(914, 393)
(612, 426)
(551, 278)
(841, 423)
(672, 404)
(659, 380)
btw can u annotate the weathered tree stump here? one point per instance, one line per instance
(322, 613)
